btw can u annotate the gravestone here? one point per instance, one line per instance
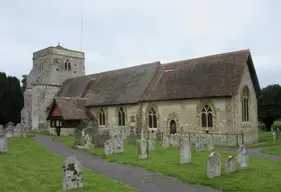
(117, 143)
(108, 148)
(274, 135)
(185, 151)
(210, 143)
(142, 147)
(18, 130)
(214, 165)
(230, 165)
(165, 142)
(132, 138)
(2, 131)
(72, 174)
(199, 146)
(158, 136)
(242, 157)
(151, 145)
(9, 130)
(3, 144)
(174, 140)
(278, 132)
(78, 137)
(89, 144)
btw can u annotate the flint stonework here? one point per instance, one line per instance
(142, 147)
(214, 165)
(230, 165)
(242, 157)
(185, 151)
(72, 174)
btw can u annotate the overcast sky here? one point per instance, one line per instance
(122, 33)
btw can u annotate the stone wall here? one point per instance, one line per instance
(27, 109)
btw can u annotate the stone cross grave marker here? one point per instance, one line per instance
(230, 165)
(185, 151)
(210, 143)
(214, 165)
(151, 145)
(199, 146)
(3, 144)
(72, 173)
(242, 157)
(88, 144)
(142, 147)
(108, 148)
(118, 143)
(18, 130)
(166, 142)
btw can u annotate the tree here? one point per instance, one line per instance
(23, 81)
(269, 105)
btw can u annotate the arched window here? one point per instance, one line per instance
(67, 65)
(206, 117)
(102, 117)
(121, 117)
(245, 104)
(152, 118)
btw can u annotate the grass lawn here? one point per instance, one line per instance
(262, 175)
(29, 167)
(276, 150)
(265, 139)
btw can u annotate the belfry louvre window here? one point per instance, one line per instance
(245, 104)
(206, 117)
(102, 117)
(67, 65)
(121, 117)
(152, 118)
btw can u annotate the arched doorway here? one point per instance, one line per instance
(173, 127)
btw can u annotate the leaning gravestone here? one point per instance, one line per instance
(214, 165)
(185, 151)
(165, 142)
(230, 165)
(118, 144)
(242, 157)
(3, 144)
(18, 130)
(108, 148)
(72, 174)
(142, 147)
(210, 143)
(151, 145)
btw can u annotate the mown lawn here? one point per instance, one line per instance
(262, 175)
(276, 150)
(29, 167)
(265, 139)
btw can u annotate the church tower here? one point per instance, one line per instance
(51, 67)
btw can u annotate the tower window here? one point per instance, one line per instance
(67, 65)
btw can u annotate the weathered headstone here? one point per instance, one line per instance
(118, 144)
(214, 165)
(132, 138)
(230, 165)
(78, 137)
(18, 130)
(174, 140)
(142, 147)
(274, 135)
(108, 148)
(89, 144)
(151, 145)
(210, 143)
(242, 157)
(9, 130)
(2, 131)
(166, 142)
(158, 136)
(72, 174)
(278, 132)
(3, 144)
(185, 151)
(199, 146)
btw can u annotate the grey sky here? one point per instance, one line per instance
(123, 33)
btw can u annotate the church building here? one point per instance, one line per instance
(213, 94)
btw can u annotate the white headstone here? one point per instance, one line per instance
(108, 148)
(165, 142)
(242, 157)
(3, 144)
(18, 130)
(151, 145)
(185, 151)
(199, 144)
(72, 174)
(88, 144)
(9, 130)
(214, 165)
(230, 165)
(142, 147)
(210, 144)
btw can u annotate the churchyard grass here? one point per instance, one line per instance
(29, 167)
(265, 139)
(43, 132)
(262, 174)
(276, 150)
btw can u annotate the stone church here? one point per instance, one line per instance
(214, 94)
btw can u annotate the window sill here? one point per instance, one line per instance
(152, 129)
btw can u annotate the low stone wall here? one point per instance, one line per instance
(63, 132)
